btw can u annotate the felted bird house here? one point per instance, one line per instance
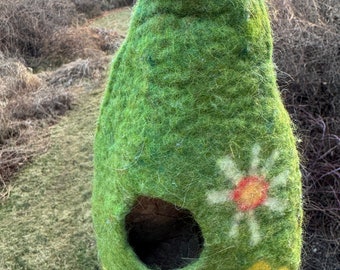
(196, 166)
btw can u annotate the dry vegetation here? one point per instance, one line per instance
(45, 32)
(44, 36)
(307, 35)
(52, 37)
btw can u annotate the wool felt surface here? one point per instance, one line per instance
(192, 116)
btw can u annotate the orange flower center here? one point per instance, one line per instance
(250, 192)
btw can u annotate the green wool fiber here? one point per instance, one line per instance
(196, 165)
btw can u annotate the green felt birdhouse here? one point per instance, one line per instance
(196, 165)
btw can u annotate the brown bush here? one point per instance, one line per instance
(306, 42)
(39, 32)
(91, 8)
(25, 98)
(71, 73)
(25, 26)
(111, 4)
(110, 40)
(30, 101)
(69, 44)
(45, 103)
(16, 81)
(306, 34)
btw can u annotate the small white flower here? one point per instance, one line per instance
(250, 191)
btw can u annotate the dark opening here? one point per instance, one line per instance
(163, 235)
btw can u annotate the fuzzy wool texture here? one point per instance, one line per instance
(192, 115)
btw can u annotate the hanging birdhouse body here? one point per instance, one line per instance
(195, 157)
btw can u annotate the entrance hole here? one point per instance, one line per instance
(162, 235)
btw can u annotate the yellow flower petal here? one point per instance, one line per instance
(261, 265)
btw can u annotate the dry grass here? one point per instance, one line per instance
(307, 35)
(69, 44)
(40, 32)
(118, 3)
(117, 21)
(27, 25)
(31, 102)
(17, 84)
(46, 220)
